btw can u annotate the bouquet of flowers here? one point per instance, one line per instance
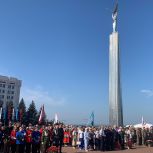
(53, 149)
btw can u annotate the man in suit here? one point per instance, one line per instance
(61, 136)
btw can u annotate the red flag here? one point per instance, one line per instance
(42, 114)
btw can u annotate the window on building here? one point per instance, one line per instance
(12, 92)
(1, 96)
(1, 103)
(12, 87)
(0, 90)
(3, 85)
(0, 85)
(8, 92)
(11, 97)
(8, 97)
(3, 91)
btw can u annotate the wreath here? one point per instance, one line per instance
(53, 149)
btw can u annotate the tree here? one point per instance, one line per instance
(9, 106)
(22, 112)
(32, 114)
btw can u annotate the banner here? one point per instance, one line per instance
(0, 113)
(13, 114)
(42, 115)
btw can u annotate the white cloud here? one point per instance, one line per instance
(148, 93)
(53, 103)
(40, 96)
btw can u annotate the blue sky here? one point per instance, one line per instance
(59, 49)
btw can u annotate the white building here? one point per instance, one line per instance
(9, 90)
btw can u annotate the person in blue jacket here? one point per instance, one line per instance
(36, 140)
(20, 140)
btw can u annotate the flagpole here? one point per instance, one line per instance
(13, 115)
(16, 114)
(0, 113)
(4, 116)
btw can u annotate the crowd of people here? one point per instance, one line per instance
(18, 138)
(110, 138)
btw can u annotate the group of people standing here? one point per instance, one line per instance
(108, 138)
(31, 139)
(18, 138)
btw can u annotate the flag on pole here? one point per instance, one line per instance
(13, 114)
(142, 121)
(91, 119)
(16, 114)
(0, 113)
(5, 114)
(56, 119)
(42, 115)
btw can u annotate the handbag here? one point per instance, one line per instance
(78, 143)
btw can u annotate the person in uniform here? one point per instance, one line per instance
(45, 140)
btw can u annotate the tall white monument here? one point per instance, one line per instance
(115, 96)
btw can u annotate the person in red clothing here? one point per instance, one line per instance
(28, 139)
(42, 129)
(13, 140)
(66, 137)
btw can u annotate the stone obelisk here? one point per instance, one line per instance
(115, 96)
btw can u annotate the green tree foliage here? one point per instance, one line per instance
(22, 112)
(32, 114)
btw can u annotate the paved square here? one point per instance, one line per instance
(136, 150)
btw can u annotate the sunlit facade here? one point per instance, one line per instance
(115, 95)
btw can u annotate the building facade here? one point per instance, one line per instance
(9, 90)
